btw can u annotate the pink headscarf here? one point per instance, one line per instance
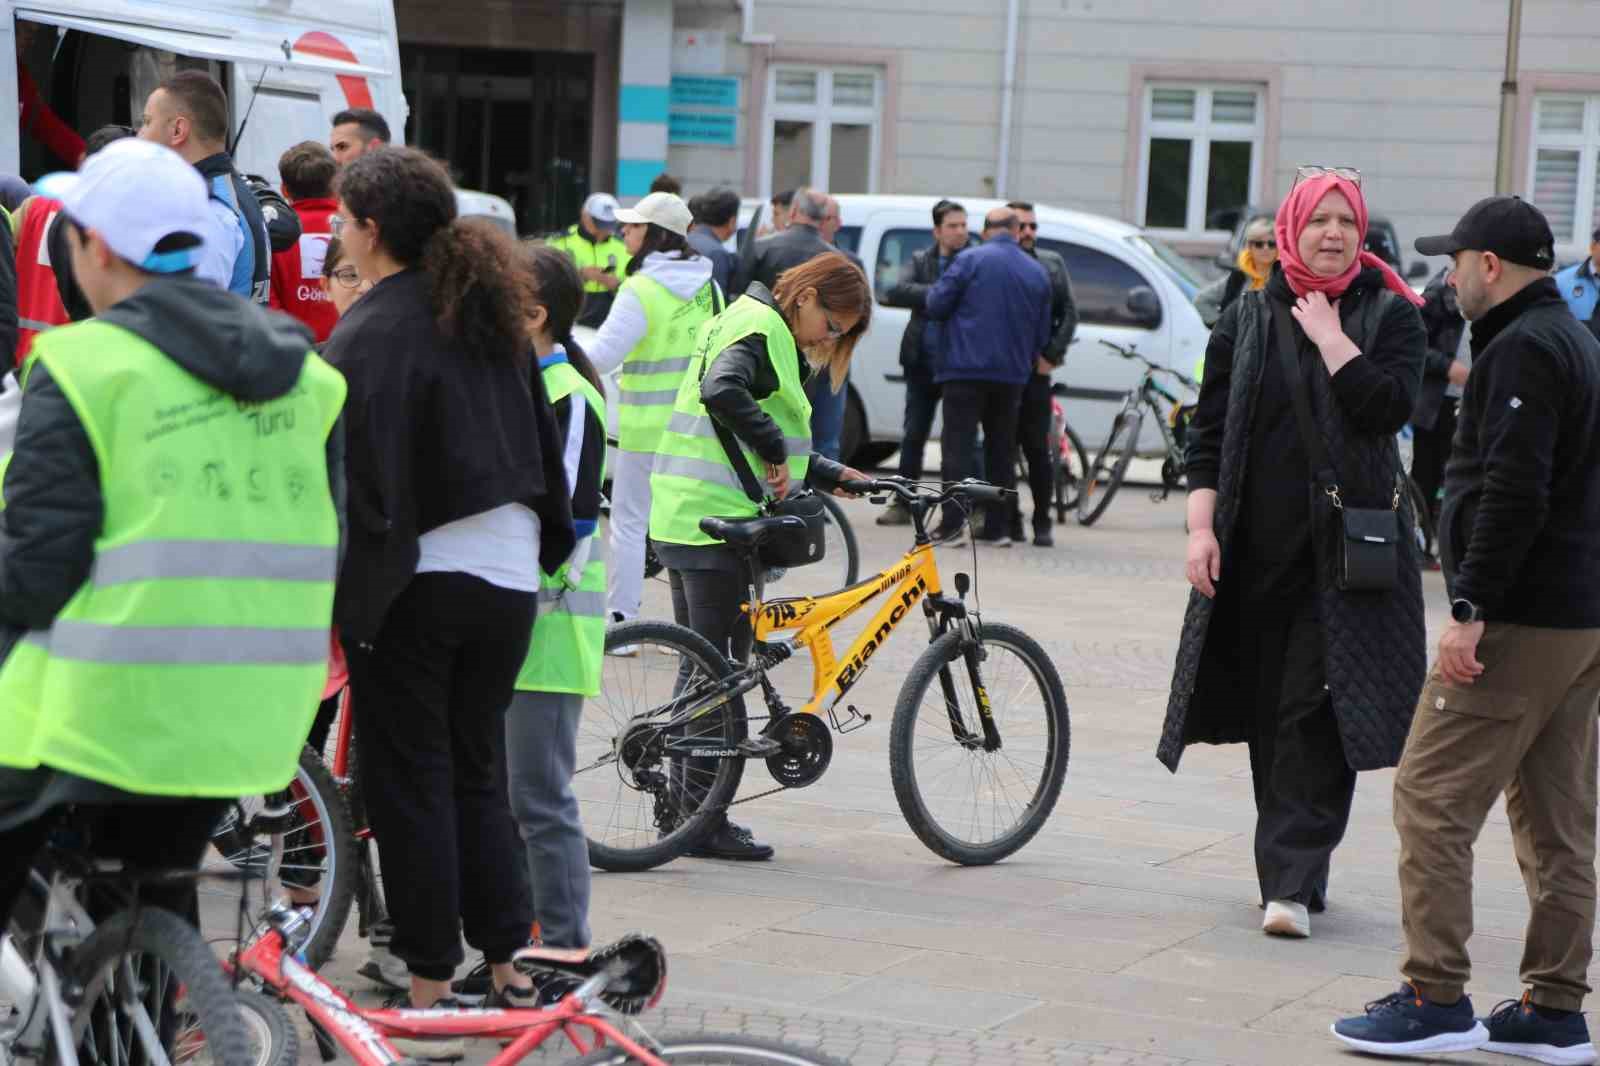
(1296, 211)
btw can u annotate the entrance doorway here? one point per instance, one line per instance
(510, 122)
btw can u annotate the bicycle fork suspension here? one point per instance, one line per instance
(972, 655)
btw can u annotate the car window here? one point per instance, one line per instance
(1382, 242)
(1100, 284)
(895, 250)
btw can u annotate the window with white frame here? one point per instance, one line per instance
(822, 128)
(1564, 171)
(1201, 153)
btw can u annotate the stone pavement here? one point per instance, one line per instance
(1127, 932)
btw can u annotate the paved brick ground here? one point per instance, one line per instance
(1127, 932)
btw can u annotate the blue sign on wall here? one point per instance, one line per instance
(692, 91)
(703, 127)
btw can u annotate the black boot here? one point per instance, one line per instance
(729, 841)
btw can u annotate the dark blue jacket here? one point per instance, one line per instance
(995, 299)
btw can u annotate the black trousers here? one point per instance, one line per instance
(993, 406)
(1430, 450)
(1303, 785)
(158, 835)
(1033, 434)
(430, 700)
(707, 601)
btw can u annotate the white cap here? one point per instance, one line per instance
(135, 194)
(602, 207)
(665, 209)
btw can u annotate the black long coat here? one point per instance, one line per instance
(1375, 642)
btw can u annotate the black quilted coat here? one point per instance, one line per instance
(1376, 655)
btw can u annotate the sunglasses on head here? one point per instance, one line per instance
(1313, 170)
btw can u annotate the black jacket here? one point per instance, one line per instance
(737, 379)
(1441, 317)
(54, 506)
(909, 292)
(771, 256)
(435, 434)
(1374, 642)
(1063, 309)
(1522, 488)
(723, 262)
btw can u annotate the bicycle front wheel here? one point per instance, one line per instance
(147, 974)
(642, 804)
(1110, 466)
(967, 803)
(713, 1050)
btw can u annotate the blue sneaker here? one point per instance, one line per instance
(1515, 1028)
(1406, 1024)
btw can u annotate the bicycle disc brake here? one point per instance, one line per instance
(807, 750)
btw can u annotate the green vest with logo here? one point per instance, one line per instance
(692, 476)
(191, 661)
(648, 384)
(569, 634)
(586, 253)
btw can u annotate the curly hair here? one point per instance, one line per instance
(478, 281)
(840, 286)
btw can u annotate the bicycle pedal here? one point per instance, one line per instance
(759, 747)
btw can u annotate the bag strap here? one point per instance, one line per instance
(1322, 469)
(741, 467)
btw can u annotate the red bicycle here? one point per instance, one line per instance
(613, 983)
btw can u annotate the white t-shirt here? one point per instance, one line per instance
(501, 546)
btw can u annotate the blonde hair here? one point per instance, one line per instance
(840, 286)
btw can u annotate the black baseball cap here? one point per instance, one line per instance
(1508, 226)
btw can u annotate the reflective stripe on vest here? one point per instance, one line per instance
(647, 388)
(692, 476)
(567, 649)
(191, 661)
(39, 305)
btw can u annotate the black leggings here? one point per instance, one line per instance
(707, 601)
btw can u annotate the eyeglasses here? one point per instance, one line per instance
(834, 332)
(1312, 170)
(336, 225)
(348, 276)
(1263, 245)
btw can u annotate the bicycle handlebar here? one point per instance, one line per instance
(907, 490)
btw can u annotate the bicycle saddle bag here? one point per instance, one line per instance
(801, 538)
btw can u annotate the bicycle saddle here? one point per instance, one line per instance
(747, 532)
(635, 967)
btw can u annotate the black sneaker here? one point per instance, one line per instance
(1517, 1028)
(1016, 531)
(731, 841)
(1043, 537)
(430, 1048)
(476, 986)
(1406, 1024)
(548, 988)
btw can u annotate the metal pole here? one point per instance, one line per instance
(1002, 166)
(1504, 180)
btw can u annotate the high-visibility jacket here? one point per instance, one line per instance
(190, 661)
(610, 255)
(39, 305)
(692, 476)
(569, 634)
(647, 386)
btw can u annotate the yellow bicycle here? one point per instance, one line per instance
(977, 748)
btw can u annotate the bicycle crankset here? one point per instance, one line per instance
(807, 750)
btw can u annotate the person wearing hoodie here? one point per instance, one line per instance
(650, 334)
(170, 536)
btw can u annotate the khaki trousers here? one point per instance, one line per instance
(1526, 728)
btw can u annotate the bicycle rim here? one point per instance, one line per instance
(1069, 461)
(1105, 476)
(969, 805)
(642, 807)
(713, 1050)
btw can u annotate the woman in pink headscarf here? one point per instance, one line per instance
(1319, 682)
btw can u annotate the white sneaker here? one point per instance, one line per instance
(1287, 918)
(386, 969)
(627, 651)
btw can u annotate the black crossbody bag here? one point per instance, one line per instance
(1368, 553)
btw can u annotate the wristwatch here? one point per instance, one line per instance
(1466, 612)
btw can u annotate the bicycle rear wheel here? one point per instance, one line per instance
(1111, 465)
(643, 806)
(1070, 461)
(967, 804)
(147, 974)
(712, 1050)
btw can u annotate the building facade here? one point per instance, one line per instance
(1159, 112)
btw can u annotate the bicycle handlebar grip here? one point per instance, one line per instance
(981, 491)
(862, 487)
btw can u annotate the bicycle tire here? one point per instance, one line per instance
(320, 820)
(847, 532)
(273, 1039)
(162, 954)
(710, 1049)
(1422, 520)
(1094, 500)
(689, 824)
(940, 656)
(1069, 477)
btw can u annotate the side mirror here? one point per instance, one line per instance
(1417, 271)
(1145, 306)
